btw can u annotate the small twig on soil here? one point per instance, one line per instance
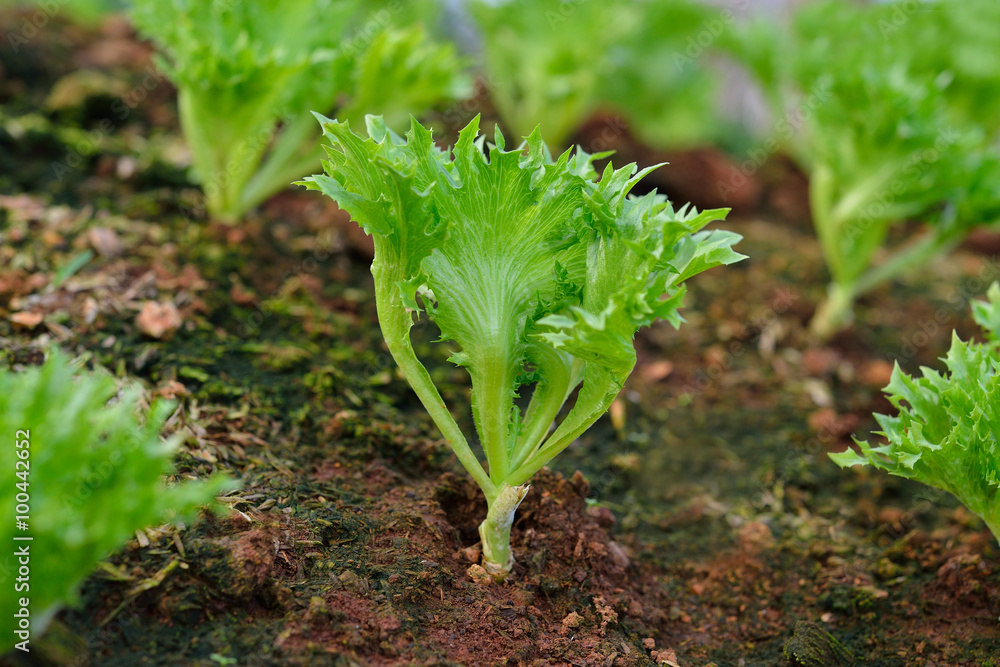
(142, 587)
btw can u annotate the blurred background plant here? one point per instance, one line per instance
(555, 63)
(890, 128)
(248, 73)
(95, 476)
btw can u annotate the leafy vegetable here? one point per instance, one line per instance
(955, 40)
(539, 275)
(555, 62)
(247, 72)
(946, 433)
(546, 61)
(90, 475)
(883, 140)
(666, 81)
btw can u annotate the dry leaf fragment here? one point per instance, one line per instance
(26, 319)
(159, 320)
(172, 389)
(105, 241)
(666, 657)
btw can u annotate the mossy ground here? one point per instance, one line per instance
(707, 519)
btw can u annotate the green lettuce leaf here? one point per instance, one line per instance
(536, 273)
(945, 433)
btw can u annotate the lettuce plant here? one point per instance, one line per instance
(945, 433)
(956, 40)
(539, 275)
(880, 136)
(555, 62)
(248, 72)
(546, 62)
(83, 474)
(663, 83)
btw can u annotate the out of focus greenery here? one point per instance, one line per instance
(82, 11)
(554, 63)
(892, 121)
(93, 473)
(892, 109)
(248, 74)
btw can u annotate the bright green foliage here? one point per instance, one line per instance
(93, 475)
(946, 433)
(663, 83)
(959, 44)
(553, 63)
(248, 72)
(89, 12)
(537, 273)
(886, 132)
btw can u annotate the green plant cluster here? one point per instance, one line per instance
(554, 63)
(540, 275)
(945, 434)
(89, 472)
(540, 272)
(894, 122)
(247, 74)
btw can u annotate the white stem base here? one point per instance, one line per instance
(495, 531)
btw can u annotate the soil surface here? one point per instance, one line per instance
(699, 523)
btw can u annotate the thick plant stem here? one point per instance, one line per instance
(396, 322)
(835, 313)
(495, 531)
(838, 310)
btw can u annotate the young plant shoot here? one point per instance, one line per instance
(248, 72)
(538, 274)
(946, 433)
(882, 137)
(88, 474)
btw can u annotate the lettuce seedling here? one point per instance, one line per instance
(946, 432)
(881, 138)
(538, 274)
(248, 72)
(83, 474)
(556, 62)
